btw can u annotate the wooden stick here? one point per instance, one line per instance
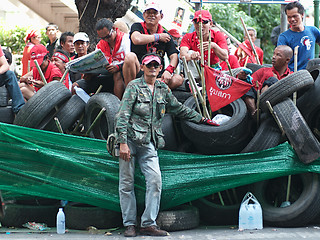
(209, 49)
(294, 97)
(229, 67)
(251, 43)
(40, 72)
(245, 63)
(64, 74)
(203, 83)
(232, 38)
(95, 121)
(276, 118)
(56, 120)
(258, 103)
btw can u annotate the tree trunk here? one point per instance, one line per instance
(90, 11)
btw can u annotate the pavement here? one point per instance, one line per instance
(200, 233)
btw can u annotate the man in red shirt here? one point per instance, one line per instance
(31, 82)
(245, 51)
(190, 41)
(269, 75)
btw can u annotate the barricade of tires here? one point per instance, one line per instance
(239, 134)
(6, 114)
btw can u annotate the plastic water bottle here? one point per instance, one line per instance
(61, 221)
(82, 94)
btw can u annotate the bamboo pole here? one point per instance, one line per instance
(95, 121)
(209, 49)
(294, 98)
(251, 43)
(203, 83)
(232, 38)
(64, 74)
(40, 72)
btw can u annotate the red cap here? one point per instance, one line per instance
(174, 33)
(205, 15)
(37, 53)
(61, 56)
(151, 58)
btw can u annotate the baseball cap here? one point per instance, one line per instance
(152, 5)
(205, 15)
(81, 36)
(37, 53)
(151, 58)
(174, 33)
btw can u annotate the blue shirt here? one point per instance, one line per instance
(306, 40)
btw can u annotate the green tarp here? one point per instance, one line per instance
(59, 166)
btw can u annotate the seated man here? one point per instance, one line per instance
(31, 82)
(81, 45)
(269, 75)
(150, 37)
(60, 59)
(8, 78)
(190, 44)
(115, 45)
(245, 53)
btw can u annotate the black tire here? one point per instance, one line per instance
(169, 131)
(68, 114)
(4, 96)
(254, 67)
(267, 136)
(296, 129)
(218, 139)
(6, 114)
(38, 111)
(304, 199)
(17, 214)
(82, 216)
(183, 217)
(285, 88)
(182, 96)
(309, 103)
(312, 63)
(105, 125)
(213, 212)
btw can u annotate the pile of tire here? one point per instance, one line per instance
(6, 114)
(300, 124)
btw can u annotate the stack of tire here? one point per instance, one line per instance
(6, 114)
(300, 123)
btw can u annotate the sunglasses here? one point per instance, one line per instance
(203, 22)
(108, 36)
(155, 65)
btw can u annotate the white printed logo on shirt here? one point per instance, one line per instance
(305, 41)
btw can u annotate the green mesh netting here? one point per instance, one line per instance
(59, 166)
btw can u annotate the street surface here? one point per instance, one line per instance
(201, 233)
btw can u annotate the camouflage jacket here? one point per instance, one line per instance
(140, 113)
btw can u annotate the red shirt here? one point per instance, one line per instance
(51, 72)
(263, 74)
(233, 61)
(191, 41)
(251, 59)
(1, 52)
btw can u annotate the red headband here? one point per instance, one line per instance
(30, 34)
(61, 56)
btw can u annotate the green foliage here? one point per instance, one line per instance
(264, 17)
(14, 38)
(267, 17)
(228, 16)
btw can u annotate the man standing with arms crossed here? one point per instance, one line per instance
(305, 37)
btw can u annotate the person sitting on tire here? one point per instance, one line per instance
(269, 75)
(8, 78)
(138, 131)
(115, 45)
(150, 37)
(190, 44)
(31, 82)
(60, 59)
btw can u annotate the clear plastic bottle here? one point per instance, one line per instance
(61, 221)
